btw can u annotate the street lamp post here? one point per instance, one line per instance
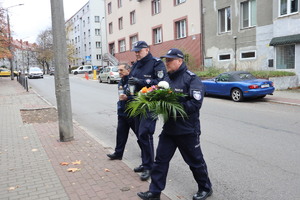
(9, 42)
(101, 47)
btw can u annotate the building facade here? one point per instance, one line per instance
(162, 24)
(86, 35)
(245, 34)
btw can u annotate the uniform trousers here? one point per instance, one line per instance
(145, 128)
(189, 147)
(124, 124)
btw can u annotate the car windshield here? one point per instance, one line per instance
(114, 69)
(35, 69)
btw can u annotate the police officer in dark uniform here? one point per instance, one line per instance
(146, 71)
(182, 133)
(124, 122)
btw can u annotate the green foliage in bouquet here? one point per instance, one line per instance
(160, 100)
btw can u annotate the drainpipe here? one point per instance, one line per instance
(234, 37)
(202, 46)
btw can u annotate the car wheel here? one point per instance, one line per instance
(100, 81)
(109, 81)
(237, 95)
(75, 73)
(90, 72)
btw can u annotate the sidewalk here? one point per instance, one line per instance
(31, 157)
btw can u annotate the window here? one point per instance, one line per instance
(180, 29)
(98, 45)
(97, 19)
(133, 40)
(97, 31)
(132, 17)
(120, 23)
(179, 2)
(122, 46)
(119, 3)
(224, 20)
(155, 7)
(248, 55)
(224, 57)
(285, 57)
(109, 8)
(157, 35)
(98, 56)
(89, 33)
(110, 28)
(288, 7)
(88, 20)
(83, 23)
(248, 13)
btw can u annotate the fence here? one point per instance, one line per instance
(22, 79)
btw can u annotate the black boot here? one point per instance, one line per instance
(145, 175)
(114, 156)
(201, 194)
(148, 196)
(139, 169)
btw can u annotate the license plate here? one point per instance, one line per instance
(265, 86)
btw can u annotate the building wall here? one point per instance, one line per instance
(237, 40)
(80, 19)
(145, 22)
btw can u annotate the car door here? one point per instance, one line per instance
(221, 85)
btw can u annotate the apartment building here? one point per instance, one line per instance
(86, 34)
(252, 34)
(163, 24)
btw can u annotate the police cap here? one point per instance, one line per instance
(140, 45)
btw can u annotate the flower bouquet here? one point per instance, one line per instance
(159, 100)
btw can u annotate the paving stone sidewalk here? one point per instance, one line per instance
(31, 157)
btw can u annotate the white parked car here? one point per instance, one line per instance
(35, 72)
(109, 74)
(83, 69)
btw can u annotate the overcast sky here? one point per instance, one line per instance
(28, 20)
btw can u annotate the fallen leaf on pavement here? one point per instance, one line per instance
(64, 163)
(13, 188)
(25, 138)
(73, 169)
(107, 170)
(77, 162)
(33, 150)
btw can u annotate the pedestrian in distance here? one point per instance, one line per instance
(124, 122)
(183, 134)
(145, 72)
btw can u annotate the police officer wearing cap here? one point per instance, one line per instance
(183, 134)
(124, 121)
(146, 71)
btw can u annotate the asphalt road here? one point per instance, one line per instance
(252, 148)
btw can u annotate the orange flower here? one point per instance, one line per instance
(144, 90)
(170, 91)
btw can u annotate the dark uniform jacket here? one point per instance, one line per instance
(149, 70)
(122, 103)
(188, 83)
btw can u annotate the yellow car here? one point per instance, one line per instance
(6, 72)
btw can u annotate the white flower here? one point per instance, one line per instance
(163, 84)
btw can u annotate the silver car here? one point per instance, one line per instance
(109, 74)
(35, 72)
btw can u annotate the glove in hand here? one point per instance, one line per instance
(133, 81)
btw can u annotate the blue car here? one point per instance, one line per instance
(238, 85)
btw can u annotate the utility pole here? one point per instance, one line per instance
(62, 84)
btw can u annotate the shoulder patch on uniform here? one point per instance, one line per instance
(190, 73)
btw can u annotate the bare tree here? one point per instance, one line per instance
(44, 48)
